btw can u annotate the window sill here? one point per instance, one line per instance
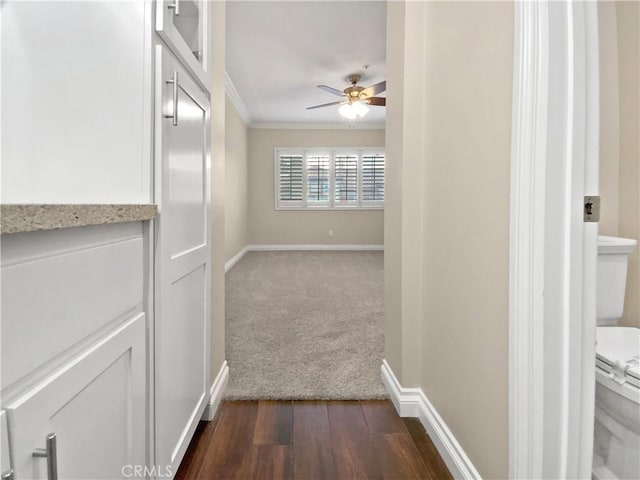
(332, 209)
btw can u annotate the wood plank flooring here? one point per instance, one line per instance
(311, 440)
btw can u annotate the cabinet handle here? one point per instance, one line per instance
(174, 81)
(175, 6)
(51, 454)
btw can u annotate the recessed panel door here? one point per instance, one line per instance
(88, 418)
(182, 258)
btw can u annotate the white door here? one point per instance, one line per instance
(182, 258)
(95, 406)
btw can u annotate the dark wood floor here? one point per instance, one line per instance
(311, 441)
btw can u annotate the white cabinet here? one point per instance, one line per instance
(76, 95)
(182, 24)
(182, 258)
(93, 404)
(105, 329)
(74, 355)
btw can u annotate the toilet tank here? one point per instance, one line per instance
(613, 255)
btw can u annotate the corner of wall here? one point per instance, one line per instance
(218, 22)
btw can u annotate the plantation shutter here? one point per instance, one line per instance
(373, 178)
(346, 179)
(317, 179)
(290, 179)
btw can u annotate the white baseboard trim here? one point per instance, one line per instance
(215, 396)
(305, 247)
(319, 247)
(412, 402)
(235, 259)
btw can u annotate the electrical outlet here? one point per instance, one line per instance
(331, 233)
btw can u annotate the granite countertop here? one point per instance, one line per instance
(17, 218)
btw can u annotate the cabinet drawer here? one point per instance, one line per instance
(52, 298)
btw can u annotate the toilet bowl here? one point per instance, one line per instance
(617, 412)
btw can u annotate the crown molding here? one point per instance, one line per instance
(233, 95)
(317, 126)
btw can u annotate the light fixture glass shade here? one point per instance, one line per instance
(347, 111)
(359, 108)
(353, 110)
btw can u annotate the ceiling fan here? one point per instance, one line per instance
(356, 98)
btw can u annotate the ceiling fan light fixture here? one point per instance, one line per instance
(347, 111)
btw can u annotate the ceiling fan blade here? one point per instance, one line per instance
(375, 89)
(333, 91)
(379, 101)
(326, 105)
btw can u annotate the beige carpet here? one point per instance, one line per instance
(305, 325)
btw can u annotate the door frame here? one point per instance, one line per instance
(553, 253)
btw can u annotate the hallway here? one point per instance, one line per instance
(311, 440)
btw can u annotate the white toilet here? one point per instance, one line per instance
(617, 416)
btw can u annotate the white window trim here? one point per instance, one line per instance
(332, 152)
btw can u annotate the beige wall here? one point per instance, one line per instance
(618, 24)
(609, 118)
(235, 210)
(270, 226)
(628, 20)
(449, 180)
(393, 189)
(217, 185)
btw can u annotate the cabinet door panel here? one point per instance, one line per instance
(95, 405)
(79, 292)
(182, 24)
(182, 259)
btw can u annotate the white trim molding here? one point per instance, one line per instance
(317, 126)
(234, 96)
(553, 253)
(310, 247)
(412, 402)
(217, 390)
(235, 259)
(527, 221)
(298, 248)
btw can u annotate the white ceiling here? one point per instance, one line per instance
(277, 52)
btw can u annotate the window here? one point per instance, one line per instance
(346, 177)
(329, 178)
(290, 179)
(318, 179)
(373, 178)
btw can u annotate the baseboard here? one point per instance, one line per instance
(305, 247)
(319, 247)
(235, 259)
(217, 389)
(412, 402)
